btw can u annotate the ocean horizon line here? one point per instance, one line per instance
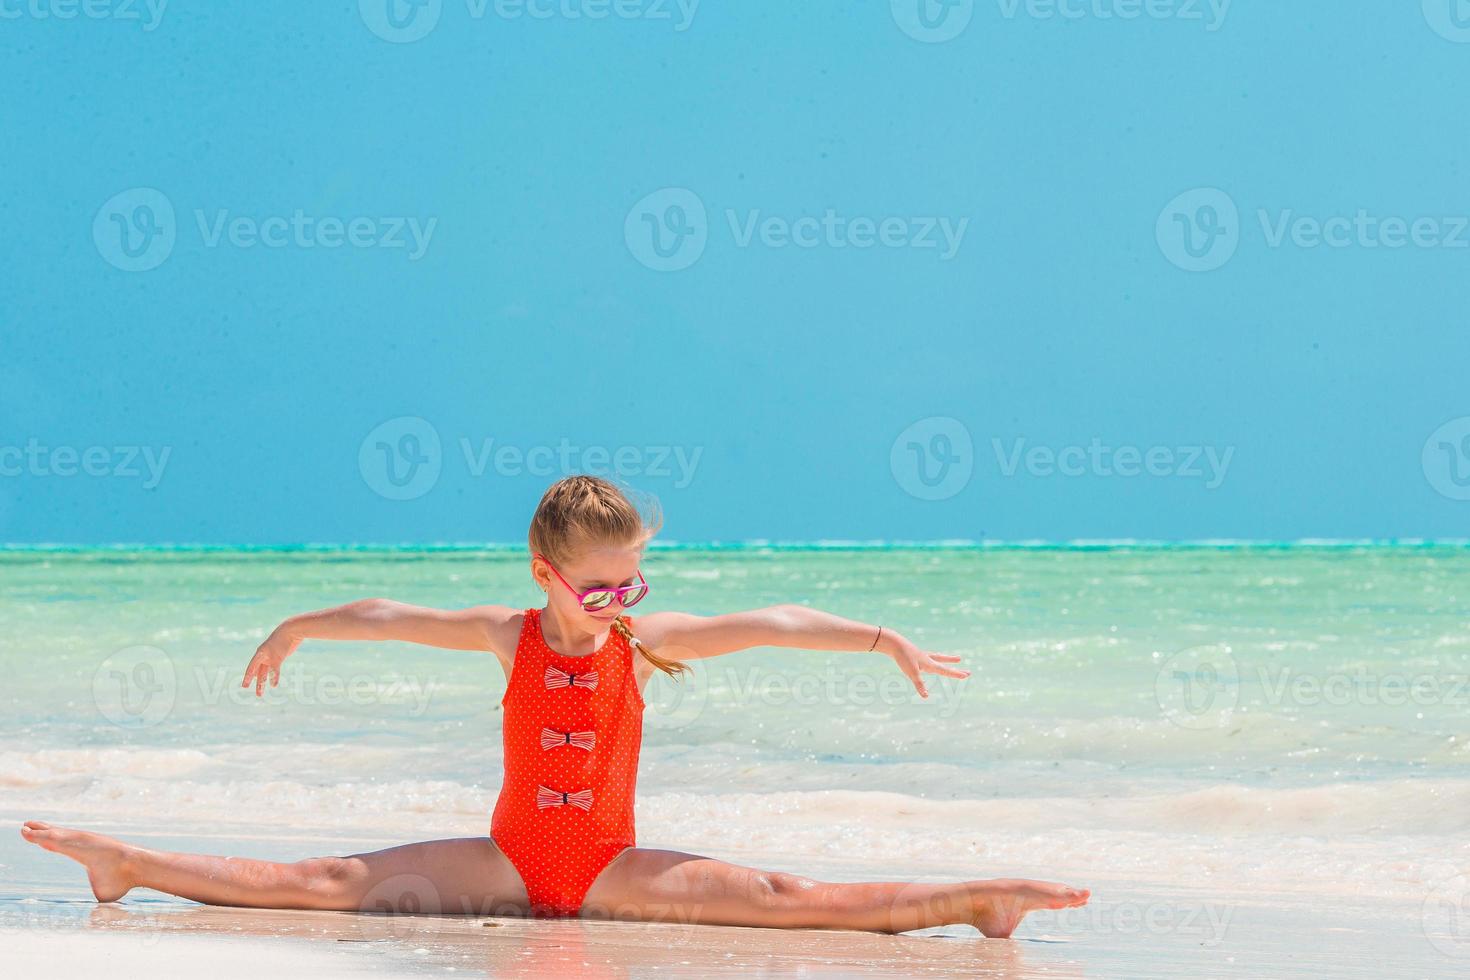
(758, 544)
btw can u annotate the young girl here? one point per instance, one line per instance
(561, 838)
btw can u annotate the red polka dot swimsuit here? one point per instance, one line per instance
(572, 730)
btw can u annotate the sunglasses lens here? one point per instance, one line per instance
(633, 595)
(593, 601)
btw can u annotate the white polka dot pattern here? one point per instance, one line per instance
(566, 806)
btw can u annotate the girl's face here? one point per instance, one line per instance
(592, 569)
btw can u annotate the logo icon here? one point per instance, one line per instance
(1449, 18)
(1199, 688)
(401, 459)
(1446, 916)
(135, 687)
(932, 21)
(934, 458)
(135, 230)
(1199, 230)
(1446, 459)
(400, 21)
(667, 230)
(394, 908)
(672, 703)
(928, 906)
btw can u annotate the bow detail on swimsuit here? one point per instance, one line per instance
(560, 678)
(546, 797)
(551, 738)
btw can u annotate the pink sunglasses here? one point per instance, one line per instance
(594, 599)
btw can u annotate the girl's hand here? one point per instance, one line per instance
(914, 662)
(268, 659)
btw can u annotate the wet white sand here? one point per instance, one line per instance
(53, 928)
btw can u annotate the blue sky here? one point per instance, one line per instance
(311, 273)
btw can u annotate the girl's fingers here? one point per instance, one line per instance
(948, 658)
(259, 672)
(947, 671)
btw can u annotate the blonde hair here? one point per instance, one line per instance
(581, 512)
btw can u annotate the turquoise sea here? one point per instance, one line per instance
(1291, 711)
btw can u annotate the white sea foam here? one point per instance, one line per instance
(48, 766)
(119, 781)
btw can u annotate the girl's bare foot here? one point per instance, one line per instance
(1001, 904)
(104, 858)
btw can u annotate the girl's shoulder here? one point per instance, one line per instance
(503, 627)
(654, 628)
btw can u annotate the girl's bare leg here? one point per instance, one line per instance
(468, 875)
(668, 886)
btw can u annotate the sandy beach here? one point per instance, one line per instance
(53, 928)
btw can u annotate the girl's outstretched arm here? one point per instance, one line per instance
(699, 637)
(476, 628)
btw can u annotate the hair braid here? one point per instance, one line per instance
(670, 667)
